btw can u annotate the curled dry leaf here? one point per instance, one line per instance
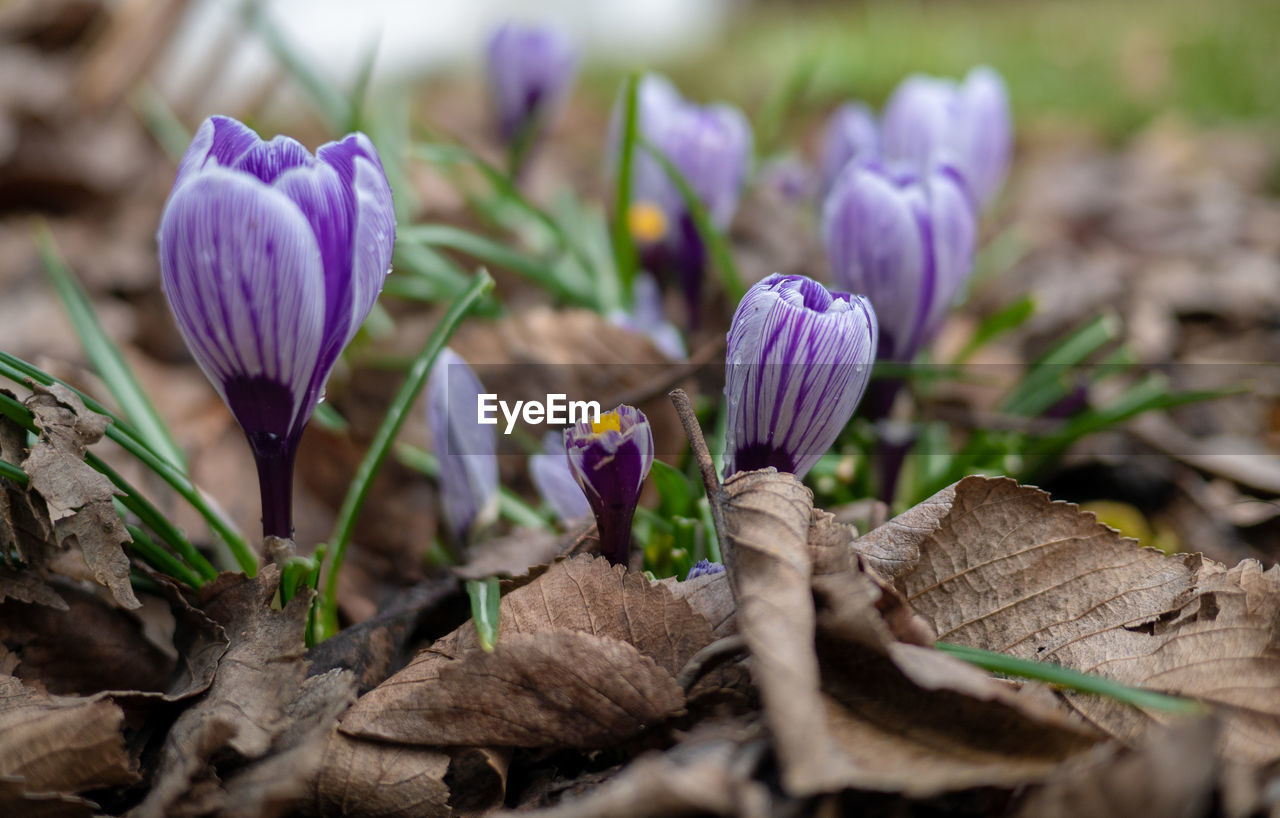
(25, 586)
(25, 528)
(245, 709)
(1001, 567)
(369, 779)
(766, 552)
(78, 497)
(552, 689)
(58, 744)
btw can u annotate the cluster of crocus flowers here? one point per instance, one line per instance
(271, 259)
(465, 448)
(930, 121)
(530, 72)
(904, 241)
(610, 458)
(711, 147)
(798, 361)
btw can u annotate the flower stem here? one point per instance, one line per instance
(327, 622)
(275, 482)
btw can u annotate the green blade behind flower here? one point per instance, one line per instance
(486, 599)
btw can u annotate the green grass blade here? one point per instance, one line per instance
(1068, 679)
(358, 492)
(163, 124)
(1001, 322)
(14, 473)
(714, 239)
(488, 251)
(486, 599)
(322, 90)
(106, 356)
(624, 248)
(1047, 381)
(773, 113)
(160, 559)
(360, 88)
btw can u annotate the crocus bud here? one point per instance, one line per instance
(531, 70)
(852, 133)
(906, 243)
(555, 481)
(711, 147)
(930, 121)
(704, 568)
(610, 459)
(798, 362)
(271, 259)
(464, 447)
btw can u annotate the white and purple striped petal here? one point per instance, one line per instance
(465, 448)
(271, 260)
(904, 243)
(798, 361)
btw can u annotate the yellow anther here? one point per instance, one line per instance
(646, 221)
(608, 422)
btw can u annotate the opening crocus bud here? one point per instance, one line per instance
(555, 481)
(852, 133)
(930, 121)
(798, 362)
(906, 243)
(464, 447)
(610, 459)
(711, 147)
(531, 70)
(271, 259)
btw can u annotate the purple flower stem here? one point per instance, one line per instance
(275, 481)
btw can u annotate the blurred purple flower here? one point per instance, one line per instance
(465, 448)
(271, 259)
(610, 459)
(647, 318)
(711, 147)
(906, 243)
(531, 69)
(789, 178)
(930, 121)
(798, 362)
(704, 568)
(555, 482)
(852, 133)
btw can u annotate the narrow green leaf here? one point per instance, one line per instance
(993, 326)
(1047, 382)
(675, 498)
(322, 90)
(358, 491)
(714, 239)
(160, 559)
(624, 248)
(294, 574)
(360, 88)
(14, 473)
(106, 356)
(773, 113)
(163, 124)
(487, 250)
(486, 599)
(1068, 679)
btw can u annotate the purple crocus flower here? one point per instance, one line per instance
(852, 133)
(555, 481)
(531, 69)
(610, 459)
(930, 121)
(798, 362)
(704, 568)
(271, 259)
(903, 241)
(711, 147)
(464, 447)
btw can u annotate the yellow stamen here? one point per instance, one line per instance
(608, 422)
(646, 221)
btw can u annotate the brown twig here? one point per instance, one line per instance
(701, 454)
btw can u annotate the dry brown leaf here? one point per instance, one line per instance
(60, 744)
(551, 689)
(708, 773)
(25, 528)
(369, 779)
(477, 779)
(14, 800)
(766, 552)
(1171, 773)
(79, 498)
(283, 782)
(710, 596)
(245, 708)
(25, 586)
(1004, 568)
